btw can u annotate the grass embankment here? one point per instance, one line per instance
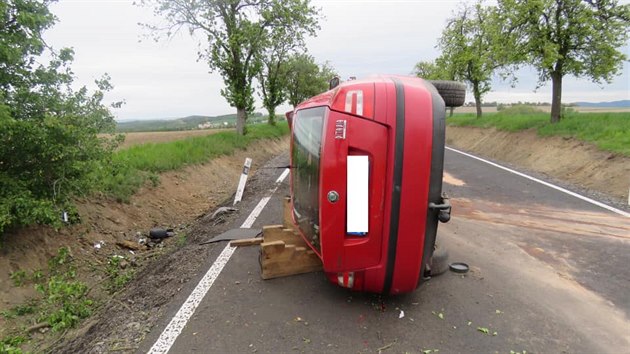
(137, 164)
(608, 131)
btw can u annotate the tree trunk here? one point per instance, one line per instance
(477, 95)
(556, 99)
(272, 115)
(452, 109)
(241, 118)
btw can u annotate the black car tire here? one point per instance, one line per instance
(453, 93)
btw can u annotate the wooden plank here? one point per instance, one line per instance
(285, 253)
(246, 242)
(280, 259)
(279, 233)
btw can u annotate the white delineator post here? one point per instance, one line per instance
(241, 183)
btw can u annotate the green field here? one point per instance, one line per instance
(608, 131)
(132, 167)
(186, 123)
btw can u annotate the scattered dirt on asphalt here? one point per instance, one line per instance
(454, 181)
(549, 287)
(567, 159)
(181, 197)
(544, 218)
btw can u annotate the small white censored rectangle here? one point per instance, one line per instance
(357, 206)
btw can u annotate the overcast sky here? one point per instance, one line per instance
(359, 38)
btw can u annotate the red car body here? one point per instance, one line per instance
(397, 124)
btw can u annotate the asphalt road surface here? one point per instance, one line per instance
(549, 274)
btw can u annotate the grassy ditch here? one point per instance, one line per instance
(608, 131)
(133, 167)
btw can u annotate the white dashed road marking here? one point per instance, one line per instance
(177, 324)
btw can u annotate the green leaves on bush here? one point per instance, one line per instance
(11, 345)
(67, 301)
(49, 143)
(118, 273)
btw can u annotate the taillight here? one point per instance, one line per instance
(356, 99)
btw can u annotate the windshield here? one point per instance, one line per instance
(306, 150)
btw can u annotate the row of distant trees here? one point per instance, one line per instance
(519, 103)
(248, 41)
(581, 38)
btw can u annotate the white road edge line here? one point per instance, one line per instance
(177, 324)
(284, 175)
(579, 196)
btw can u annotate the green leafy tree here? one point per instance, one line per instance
(430, 70)
(306, 79)
(49, 148)
(435, 70)
(236, 31)
(473, 48)
(280, 43)
(272, 77)
(568, 37)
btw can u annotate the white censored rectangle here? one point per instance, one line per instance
(357, 204)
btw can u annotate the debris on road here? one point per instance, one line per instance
(402, 314)
(483, 330)
(234, 234)
(99, 244)
(160, 233)
(459, 267)
(130, 245)
(222, 211)
(440, 315)
(385, 347)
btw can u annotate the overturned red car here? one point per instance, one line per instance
(366, 179)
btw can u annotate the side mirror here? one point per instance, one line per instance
(289, 116)
(334, 82)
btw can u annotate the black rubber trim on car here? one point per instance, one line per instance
(435, 177)
(396, 185)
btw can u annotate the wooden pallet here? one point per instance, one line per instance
(283, 251)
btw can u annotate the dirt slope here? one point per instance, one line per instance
(180, 198)
(568, 160)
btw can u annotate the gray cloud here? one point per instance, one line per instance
(359, 38)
